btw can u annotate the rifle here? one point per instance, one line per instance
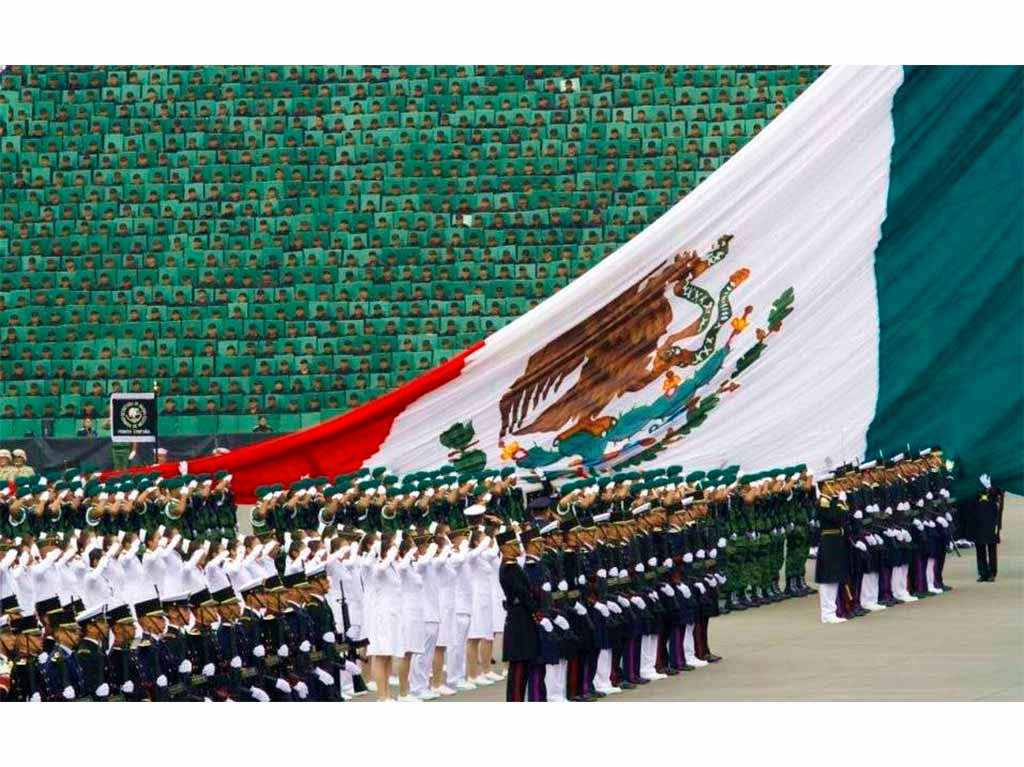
(346, 623)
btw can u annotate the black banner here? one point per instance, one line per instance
(51, 456)
(133, 417)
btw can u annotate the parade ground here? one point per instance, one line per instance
(966, 645)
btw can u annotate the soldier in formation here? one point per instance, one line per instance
(885, 528)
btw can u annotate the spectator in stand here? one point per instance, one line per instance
(21, 468)
(88, 428)
(261, 425)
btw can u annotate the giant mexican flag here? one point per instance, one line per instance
(849, 284)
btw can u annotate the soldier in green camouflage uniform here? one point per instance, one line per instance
(799, 507)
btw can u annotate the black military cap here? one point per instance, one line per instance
(506, 537)
(26, 624)
(273, 583)
(148, 607)
(7, 604)
(528, 535)
(119, 613)
(566, 525)
(293, 579)
(200, 597)
(48, 605)
(220, 596)
(62, 617)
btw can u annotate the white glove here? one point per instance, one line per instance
(720, 578)
(580, 609)
(688, 557)
(860, 545)
(700, 587)
(259, 695)
(351, 633)
(638, 603)
(842, 495)
(700, 553)
(562, 623)
(602, 573)
(69, 693)
(259, 651)
(600, 607)
(944, 493)
(622, 601)
(35, 698)
(103, 690)
(929, 496)
(236, 662)
(614, 572)
(919, 524)
(582, 580)
(986, 481)
(949, 517)
(639, 568)
(721, 543)
(563, 586)
(685, 590)
(282, 651)
(652, 562)
(713, 554)
(301, 689)
(185, 667)
(667, 590)
(614, 608)
(208, 670)
(858, 514)
(161, 681)
(329, 637)
(128, 687)
(546, 587)
(323, 676)
(546, 625)
(920, 504)
(283, 686)
(43, 658)
(667, 562)
(305, 646)
(352, 667)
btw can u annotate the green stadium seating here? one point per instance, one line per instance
(200, 227)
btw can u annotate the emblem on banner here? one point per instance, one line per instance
(625, 348)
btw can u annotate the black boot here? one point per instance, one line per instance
(724, 608)
(735, 602)
(804, 588)
(791, 588)
(777, 595)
